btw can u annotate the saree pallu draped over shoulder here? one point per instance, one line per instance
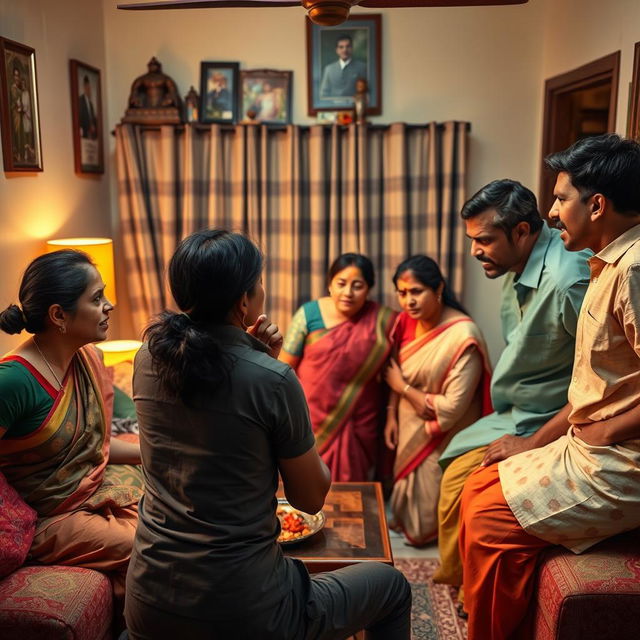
(61, 464)
(426, 363)
(340, 376)
(450, 365)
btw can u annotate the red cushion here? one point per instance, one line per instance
(55, 603)
(593, 594)
(17, 527)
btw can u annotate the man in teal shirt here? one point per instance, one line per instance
(541, 299)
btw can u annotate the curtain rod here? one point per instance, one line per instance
(199, 126)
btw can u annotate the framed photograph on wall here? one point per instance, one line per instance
(21, 146)
(266, 95)
(219, 92)
(86, 117)
(337, 57)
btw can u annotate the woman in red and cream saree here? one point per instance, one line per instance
(338, 346)
(55, 417)
(440, 385)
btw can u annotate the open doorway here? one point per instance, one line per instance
(577, 104)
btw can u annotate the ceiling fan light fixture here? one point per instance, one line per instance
(328, 13)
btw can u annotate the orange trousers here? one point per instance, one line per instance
(498, 558)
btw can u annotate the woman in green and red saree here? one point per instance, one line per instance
(440, 385)
(55, 419)
(338, 345)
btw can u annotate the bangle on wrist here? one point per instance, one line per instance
(390, 407)
(406, 388)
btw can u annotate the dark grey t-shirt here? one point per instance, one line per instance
(206, 540)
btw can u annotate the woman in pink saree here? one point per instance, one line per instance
(440, 385)
(338, 345)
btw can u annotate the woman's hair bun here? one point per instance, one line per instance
(12, 319)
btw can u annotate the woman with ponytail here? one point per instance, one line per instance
(440, 384)
(55, 420)
(220, 418)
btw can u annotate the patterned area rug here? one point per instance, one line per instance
(433, 615)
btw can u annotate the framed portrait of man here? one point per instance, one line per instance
(86, 117)
(21, 147)
(338, 57)
(219, 92)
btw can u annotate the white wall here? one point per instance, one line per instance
(476, 64)
(55, 202)
(580, 31)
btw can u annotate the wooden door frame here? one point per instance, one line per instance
(584, 77)
(633, 130)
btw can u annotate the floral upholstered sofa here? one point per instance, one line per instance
(591, 596)
(52, 602)
(45, 602)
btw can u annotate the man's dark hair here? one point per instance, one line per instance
(344, 36)
(85, 80)
(606, 164)
(512, 201)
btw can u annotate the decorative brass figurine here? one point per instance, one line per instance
(361, 101)
(154, 98)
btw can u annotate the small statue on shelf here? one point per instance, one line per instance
(154, 98)
(191, 103)
(251, 117)
(361, 101)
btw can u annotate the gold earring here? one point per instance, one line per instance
(62, 329)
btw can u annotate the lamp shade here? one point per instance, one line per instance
(117, 351)
(100, 250)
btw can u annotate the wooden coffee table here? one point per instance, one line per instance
(355, 530)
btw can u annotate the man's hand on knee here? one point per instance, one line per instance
(505, 447)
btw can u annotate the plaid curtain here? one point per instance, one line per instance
(303, 194)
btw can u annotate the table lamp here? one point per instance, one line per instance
(117, 351)
(100, 250)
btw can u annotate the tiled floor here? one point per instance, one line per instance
(401, 549)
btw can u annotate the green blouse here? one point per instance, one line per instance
(24, 401)
(305, 320)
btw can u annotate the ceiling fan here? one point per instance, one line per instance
(323, 12)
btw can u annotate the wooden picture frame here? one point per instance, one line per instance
(86, 118)
(265, 95)
(329, 86)
(219, 92)
(633, 128)
(19, 114)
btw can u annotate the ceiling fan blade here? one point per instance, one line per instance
(322, 12)
(386, 4)
(209, 4)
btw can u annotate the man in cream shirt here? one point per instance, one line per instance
(579, 480)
